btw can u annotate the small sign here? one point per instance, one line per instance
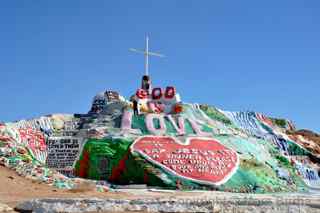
(63, 152)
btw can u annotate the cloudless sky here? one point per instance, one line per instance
(55, 55)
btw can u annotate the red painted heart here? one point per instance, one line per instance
(202, 160)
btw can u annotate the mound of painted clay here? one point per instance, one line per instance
(197, 147)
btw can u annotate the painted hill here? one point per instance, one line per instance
(193, 147)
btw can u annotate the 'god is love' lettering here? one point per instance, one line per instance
(203, 160)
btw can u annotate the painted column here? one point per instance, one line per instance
(126, 119)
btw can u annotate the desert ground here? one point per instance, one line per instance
(15, 190)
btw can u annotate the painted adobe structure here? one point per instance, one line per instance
(163, 142)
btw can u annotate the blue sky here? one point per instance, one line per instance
(237, 55)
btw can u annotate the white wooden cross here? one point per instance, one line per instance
(146, 54)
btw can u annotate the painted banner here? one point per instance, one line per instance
(202, 160)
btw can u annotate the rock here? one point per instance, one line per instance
(5, 208)
(228, 203)
(21, 151)
(132, 186)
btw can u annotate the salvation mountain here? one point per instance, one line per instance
(158, 140)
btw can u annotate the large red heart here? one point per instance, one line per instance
(203, 160)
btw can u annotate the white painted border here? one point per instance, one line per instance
(187, 142)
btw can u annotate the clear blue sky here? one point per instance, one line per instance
(55, 55)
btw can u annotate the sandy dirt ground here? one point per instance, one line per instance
(15, 189)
